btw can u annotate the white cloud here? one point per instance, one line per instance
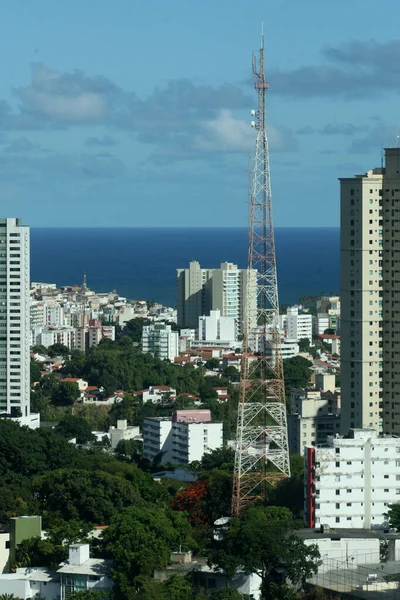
(227, 133)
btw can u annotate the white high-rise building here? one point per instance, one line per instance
(370, 297)
(299, 325)
(161, 341)
(350, 482)
(224, 289)
(14, 320)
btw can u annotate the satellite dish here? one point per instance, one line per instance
(253, 123)
(253, 113)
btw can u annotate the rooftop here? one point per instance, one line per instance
(93, 566)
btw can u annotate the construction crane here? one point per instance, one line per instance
(261, 447)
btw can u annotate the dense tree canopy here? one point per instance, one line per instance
(263, 542)
(140, 539)
(72, 426)
(297, 372)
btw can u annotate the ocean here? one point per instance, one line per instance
(141, 263)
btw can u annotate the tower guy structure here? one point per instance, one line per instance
(261, 450)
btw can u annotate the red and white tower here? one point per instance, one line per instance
(261, 452)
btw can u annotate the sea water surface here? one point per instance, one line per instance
(141, 263)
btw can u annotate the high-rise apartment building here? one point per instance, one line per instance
(370, 297)
(193, 294)
(14, 320)
(224, 289)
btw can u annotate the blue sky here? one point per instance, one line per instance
(137, 112)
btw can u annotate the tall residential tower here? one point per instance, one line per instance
(14, 320)
(224, 289)
(370, 296)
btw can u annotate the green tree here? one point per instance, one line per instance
(90, 496)
(129, 450)
(227, 594)
(222, 458)
(304, 345)
(65, 394)
(71, 426)
(393, 515)
(58, 350)
(263, 541)
(212, 364)
(140, 539)
(39, 349)
(35, 372)
(35, 552)
(297, 372)
(89, 595)
(9, 597)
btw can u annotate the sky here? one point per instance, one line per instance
(136, 113)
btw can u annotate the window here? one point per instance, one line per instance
(337, 520)
(338, 492)
(337, 464)
(337, 505)
(349, 491)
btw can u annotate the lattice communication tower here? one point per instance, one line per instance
(261, 451)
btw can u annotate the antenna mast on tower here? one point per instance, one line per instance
(261, 450)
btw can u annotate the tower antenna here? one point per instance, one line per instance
(261, 447)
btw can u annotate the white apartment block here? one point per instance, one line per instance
(289, 348)
(321, 323)
(299, 325)
(14, 319)
(217, 328)
(370, 297)
(159, 339)
(37, 312)
(185, 437)
(47, 336)
(350, 482)
(225, 289)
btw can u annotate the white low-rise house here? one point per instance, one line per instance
(182, 438)
(158, 393)
(350, 482)
(123, 431)
(4, 551)
(78, 573)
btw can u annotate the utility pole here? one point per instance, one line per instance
(261, 449)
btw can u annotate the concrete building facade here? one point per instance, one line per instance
(216, 327)
(201, 290)
(370, 297)
(350, 482)
(159, 339)
(299, 325)
(14, 318)
(185, 437)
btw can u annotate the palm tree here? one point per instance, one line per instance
(8, 597)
